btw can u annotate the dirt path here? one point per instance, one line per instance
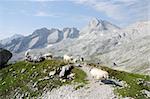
(92, 90)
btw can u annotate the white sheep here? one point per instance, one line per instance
(68, 58)
(74, 60)
(27, 52)
(99, 74)
(81, 59)
(48, 56)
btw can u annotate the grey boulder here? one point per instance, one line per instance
(5, 55)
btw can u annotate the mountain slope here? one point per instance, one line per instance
(133, 52)
(8, 40)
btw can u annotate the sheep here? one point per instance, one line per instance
(74, 60)
(68, 58)
(35, 59)
(27, 52)
(38, 59)
(48, 56)
(81, 59)
(99, 74)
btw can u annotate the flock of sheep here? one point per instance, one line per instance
(96, 73)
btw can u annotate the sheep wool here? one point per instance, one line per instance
(99, 74)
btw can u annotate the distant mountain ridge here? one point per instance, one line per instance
(38, 39)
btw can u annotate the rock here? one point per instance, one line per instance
(147, 83)
(71, 76)
(5, 55)
(44, 71)
(45, 78)
(23, 70)
(146, 92)
(63, 80)
(65, 71)
(140, 81)
(52, 73)
(35, 74)
(33, 67)
(34, 85)
(4, 83)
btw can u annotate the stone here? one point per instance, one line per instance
(52, 73)
(65, 70)
(146, 92)
(5, 56)
(146, 83)
(23, 70)
(71, 76)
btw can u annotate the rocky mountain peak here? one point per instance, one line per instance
(71, 32)
(94, 22)
(41, 31)
(54, 30)
(17, 36)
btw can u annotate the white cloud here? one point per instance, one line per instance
(120, 9)
(107, 7)
(44, 14)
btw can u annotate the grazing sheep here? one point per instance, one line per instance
(38, 59)
(48, 56)
(28, 58)
(74, 60)
(81, 59)
(99, 74)
(35, 59)
(68, 58)
(27, 52)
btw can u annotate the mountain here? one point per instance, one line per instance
(133, 52)
(96, 25)
(97, 36)
(99, 41)
(9, 39)
(38, 39)
(1, 45)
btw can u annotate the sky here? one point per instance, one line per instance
(25, 16)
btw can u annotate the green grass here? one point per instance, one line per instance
(133, 89)
(79, 76)
(12, 80)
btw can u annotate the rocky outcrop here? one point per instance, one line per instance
(65, 71)
(5, 55)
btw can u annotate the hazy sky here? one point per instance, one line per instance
(24, 16)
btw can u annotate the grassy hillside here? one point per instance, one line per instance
(32, 79)
(26, 79)
(135, 83)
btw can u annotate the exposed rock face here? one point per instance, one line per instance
(5, 55)
(70, 33)
(65, 70)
